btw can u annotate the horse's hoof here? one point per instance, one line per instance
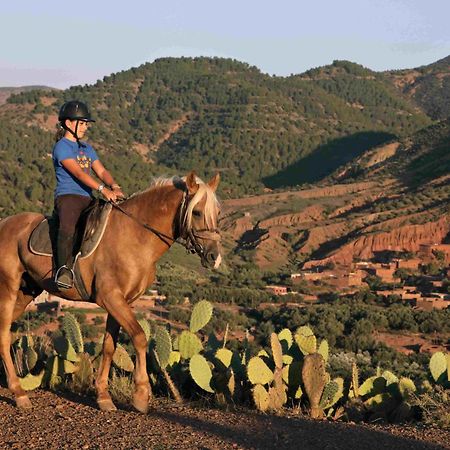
(141, 405)
(106, 405)
(23, 402)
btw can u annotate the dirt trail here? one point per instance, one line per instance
(66, 421)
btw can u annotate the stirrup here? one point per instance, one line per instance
(64, 283)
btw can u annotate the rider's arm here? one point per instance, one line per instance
(102, 173)
(107, 178)
(75, 170)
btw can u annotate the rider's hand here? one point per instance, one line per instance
(109, 195)
(118, 191)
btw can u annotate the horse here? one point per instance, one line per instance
(138, 233)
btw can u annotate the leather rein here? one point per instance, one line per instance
(188, 236)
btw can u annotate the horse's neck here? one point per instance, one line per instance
(156, 207)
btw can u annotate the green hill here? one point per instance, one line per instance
(428, 86)
(209, 114)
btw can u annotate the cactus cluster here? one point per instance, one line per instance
(292, 369)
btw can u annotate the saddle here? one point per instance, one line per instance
(89, 232)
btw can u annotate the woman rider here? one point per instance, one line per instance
(73, 160)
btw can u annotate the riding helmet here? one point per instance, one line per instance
(74, 110)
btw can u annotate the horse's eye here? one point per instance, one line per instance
(196, 213)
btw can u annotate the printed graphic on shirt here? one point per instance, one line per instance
(84, 162)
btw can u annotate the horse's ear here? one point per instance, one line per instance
(214, 182)
(191, 183)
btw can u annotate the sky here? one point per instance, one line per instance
(61, 44)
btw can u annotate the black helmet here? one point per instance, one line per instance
(74, 110)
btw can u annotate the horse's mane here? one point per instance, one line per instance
(204, 191)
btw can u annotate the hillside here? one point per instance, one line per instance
(428, 86)
(6, 92)
(396, 197)
(216, 114)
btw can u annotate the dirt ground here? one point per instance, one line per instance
(67, 421)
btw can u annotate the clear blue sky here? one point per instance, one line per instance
(60, 44)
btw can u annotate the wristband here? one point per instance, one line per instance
(101, 187)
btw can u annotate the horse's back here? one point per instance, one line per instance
(17, 228)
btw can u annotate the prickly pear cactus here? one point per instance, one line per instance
(72, 331)
(354, 389)
(30, 358)
(277, 351)
(373, 386)
(201, 315)
(31, 382)
(324, 350)
(305, 339)
(332, 393)
(286, 339)
(145, 328)
(261, 397)
(201, 372)
(189, 344)
(258, 372)
(314, 380)
(122, 360)
(65, 349)
(438, 366)
(224, 356)
(163, 345)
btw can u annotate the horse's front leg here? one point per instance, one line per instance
(120, 310)
(104, 400)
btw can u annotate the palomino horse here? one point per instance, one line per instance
(116, 274)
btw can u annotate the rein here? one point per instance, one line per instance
(189, 242)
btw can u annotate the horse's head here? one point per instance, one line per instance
(200, 220)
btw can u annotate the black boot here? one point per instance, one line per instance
(63, 260)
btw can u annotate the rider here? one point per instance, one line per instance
(73, 160)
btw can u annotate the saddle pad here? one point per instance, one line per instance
(40, 242)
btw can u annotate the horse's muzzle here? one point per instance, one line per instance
(211, 260)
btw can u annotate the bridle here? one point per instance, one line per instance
(187, 236)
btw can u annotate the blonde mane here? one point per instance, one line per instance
(211, 208)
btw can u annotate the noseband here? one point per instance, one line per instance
(187, 236)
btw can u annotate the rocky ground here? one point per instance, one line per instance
(67, 421)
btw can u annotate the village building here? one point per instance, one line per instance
(277, 290)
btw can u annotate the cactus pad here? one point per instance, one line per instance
(31, 382)
(122, 360)
(145, 328)
(163, 345)
(314, 380)
(201, 372)
(224, 356)
(65, 349)
(261, 398)
(189, 344)
(277, 351)
(324, 350)
(438, 365)
(72, 331)
(258, 372)
(286, 339)
(201, 315)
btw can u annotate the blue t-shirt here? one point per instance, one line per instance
(66, 183)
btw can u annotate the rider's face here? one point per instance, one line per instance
(82, 127)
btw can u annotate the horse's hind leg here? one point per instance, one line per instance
(104, 400)
(8, 310)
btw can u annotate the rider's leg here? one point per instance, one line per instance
(69, 208)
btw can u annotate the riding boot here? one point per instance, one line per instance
(64, 274)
